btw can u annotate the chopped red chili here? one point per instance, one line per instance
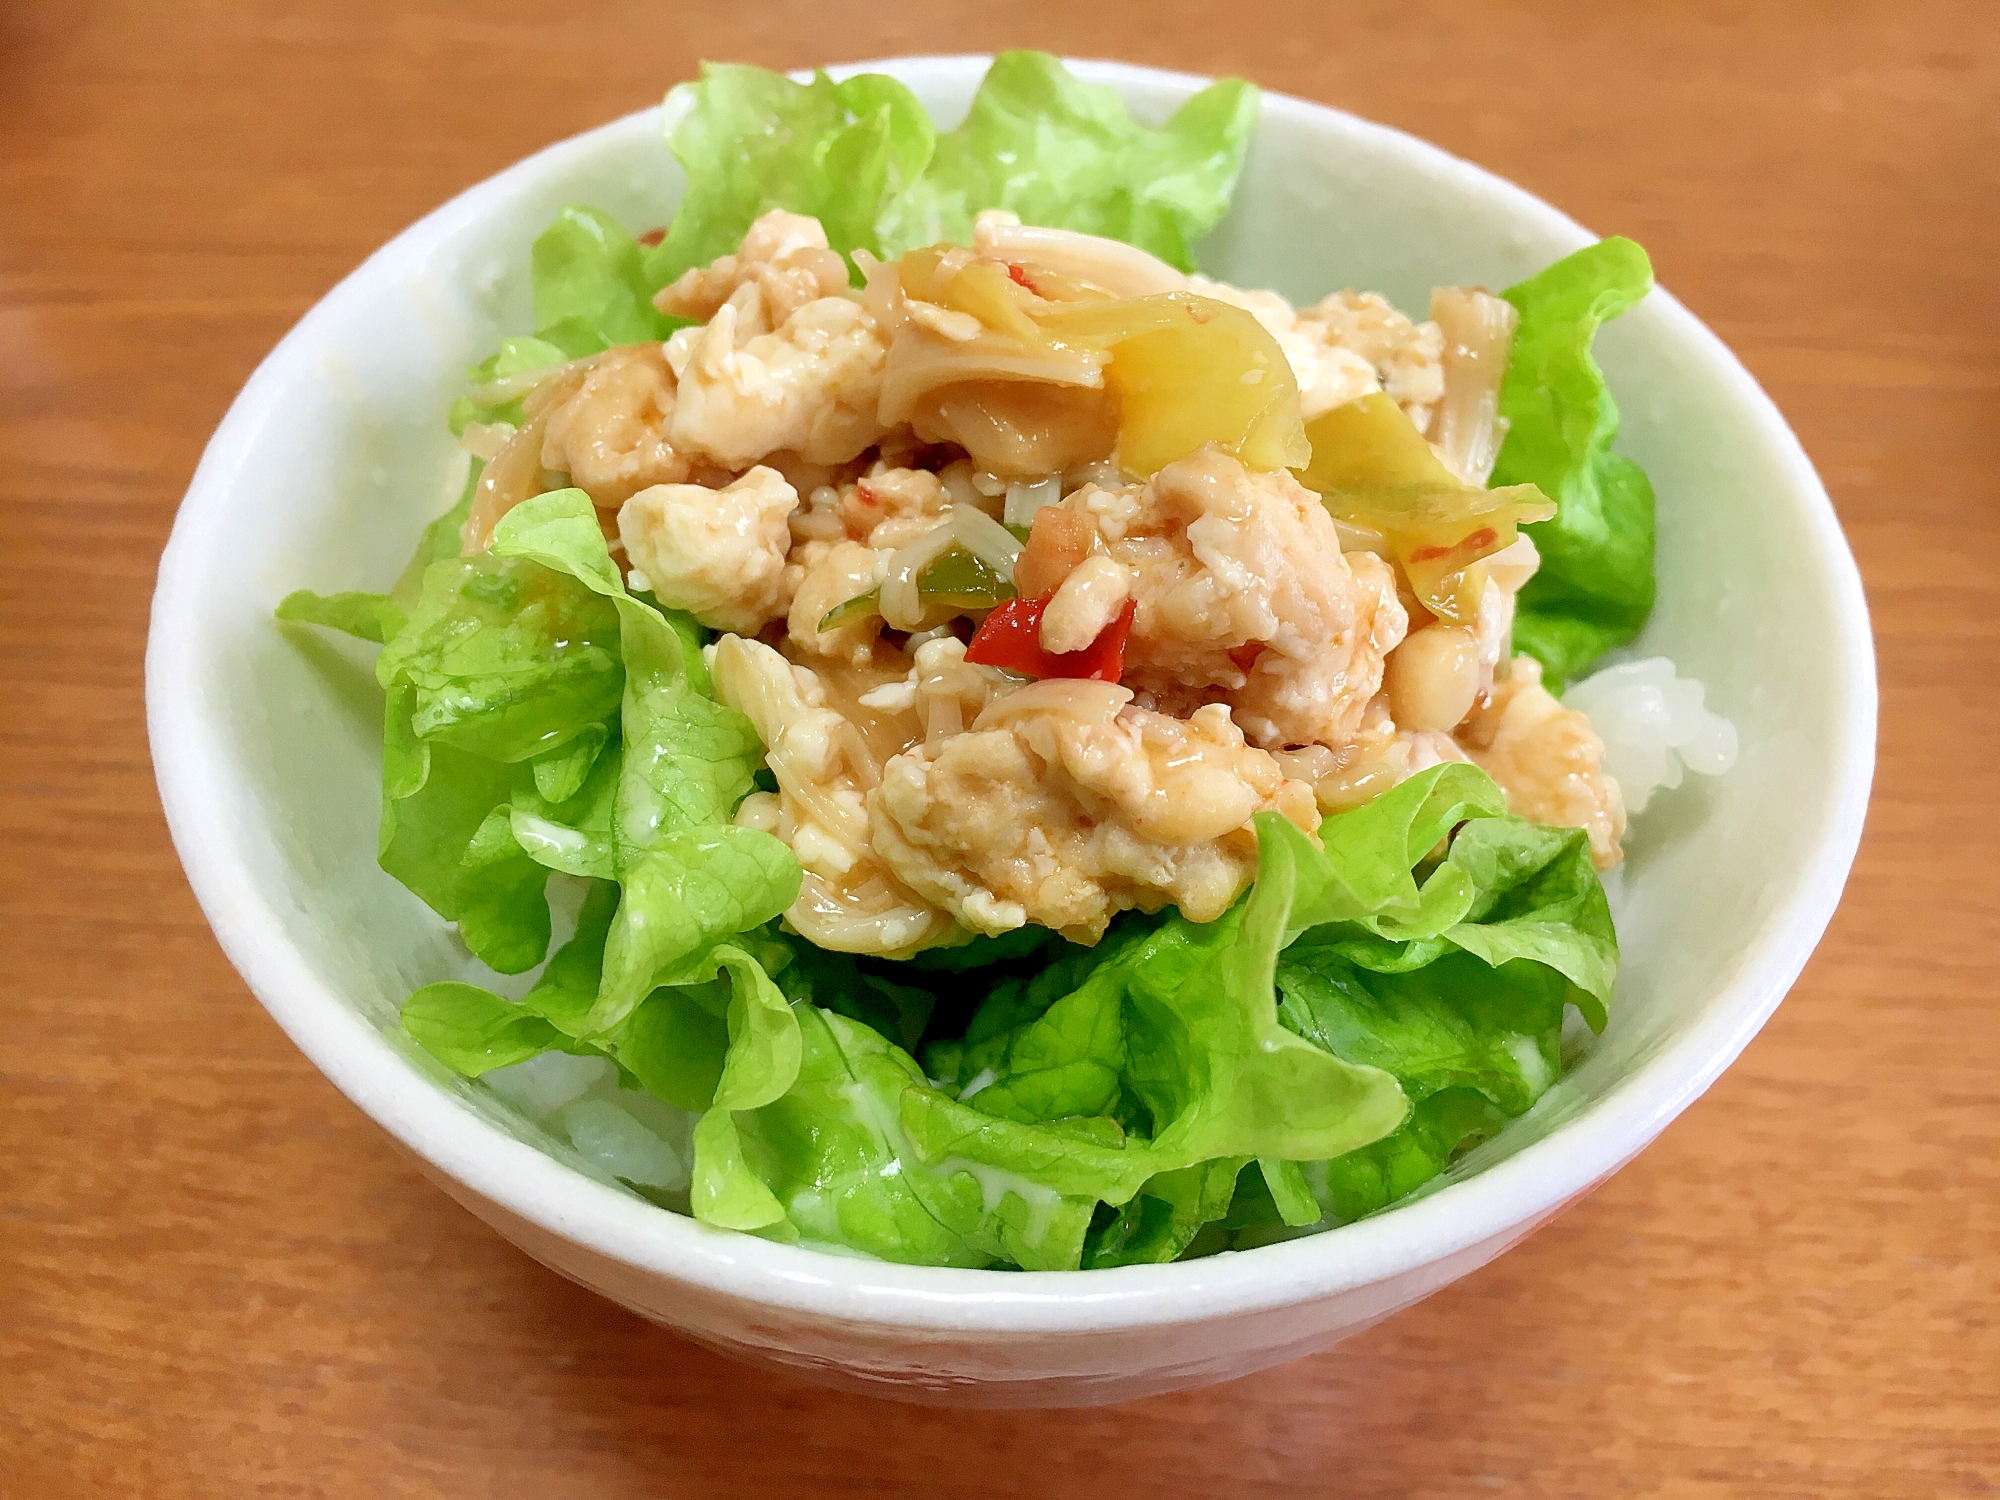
(1479, 540)
(1019, 276)
(652, 237)
(1011, 638)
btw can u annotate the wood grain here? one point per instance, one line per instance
(217, 1278)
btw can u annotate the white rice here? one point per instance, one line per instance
(624, 1132)
(607, 1135)
(1654, 727)
(542, 1085)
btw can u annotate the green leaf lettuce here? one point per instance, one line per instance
(862, 156)
(1594, 588)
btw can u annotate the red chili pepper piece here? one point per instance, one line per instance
(1019, 276)
(1011, 638)
(652, 237)
(1479, 540)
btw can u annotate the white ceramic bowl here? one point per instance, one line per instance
(267, 746)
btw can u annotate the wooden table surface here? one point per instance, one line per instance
(217, 1277)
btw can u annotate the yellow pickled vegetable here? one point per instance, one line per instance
(1190, 370)
(1375, 471)
(1185, 370)
(956, 279)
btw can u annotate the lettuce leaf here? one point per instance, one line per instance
(1174, 1026)
(572, 835)
(515, 356)
(1064, 153)
(830, 1151)
(445, 834)
(591, 290)
(691, 878)
(561, 773)
(862, 156)
(472, 1030)
(590, 286)
(505, 658)
(862, 1153)
(840, 982)
(1535, 899)
(376, 617)
(1403, 977)
(538, 718)
(1595, 588)
(1161, 1221)
(751, 140)
(1452, 1023)
(765, 1050)
(674, 1044)
(1020, 1193)
(369, 617)
(1469, 1018)
(497, 665)
(1440, 1129)
(443, 538)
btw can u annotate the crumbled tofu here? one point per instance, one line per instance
(811, 386)
(718, 554)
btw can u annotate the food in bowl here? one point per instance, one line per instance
(1045, 759)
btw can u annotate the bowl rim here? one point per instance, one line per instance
(1506, 1198)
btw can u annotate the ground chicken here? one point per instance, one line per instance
(1547, 759)
(1243, 596)
(845, 540)
(610, 436)
(925, 795)
(1063, 805)
(718, 554)
(1085, 605)
(811, 386)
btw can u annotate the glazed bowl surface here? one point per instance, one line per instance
(267, 747)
